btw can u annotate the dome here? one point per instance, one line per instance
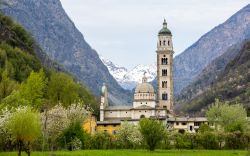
(144, 88)
(165, 30)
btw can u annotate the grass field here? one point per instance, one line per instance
(136, 153)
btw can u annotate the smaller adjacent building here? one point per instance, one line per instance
(185, 124)
(178, 124)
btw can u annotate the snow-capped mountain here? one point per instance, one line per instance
(116, 71)
(128, 79)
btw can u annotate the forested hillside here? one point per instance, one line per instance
(229, 82)
(29, 77)
(64, 43)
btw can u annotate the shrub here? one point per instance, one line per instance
(152, 131)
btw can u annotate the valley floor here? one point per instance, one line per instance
(137, 153)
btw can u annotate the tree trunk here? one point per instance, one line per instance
(27, 149)
(19, 147)
(45, 128)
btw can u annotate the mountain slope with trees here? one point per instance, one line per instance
(62, 41)
(230, 82)
(25, 80)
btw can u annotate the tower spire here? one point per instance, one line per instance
(165, 23)
(144, 79)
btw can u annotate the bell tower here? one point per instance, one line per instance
(164, 68)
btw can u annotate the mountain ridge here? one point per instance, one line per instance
(231, 84)
(211, 45)
(128, 79)
(63, 42)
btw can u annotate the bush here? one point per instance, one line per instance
(208, 140)
(152, 131)
(235, 140)
(101, 141)
(73, 137)
(129, 136)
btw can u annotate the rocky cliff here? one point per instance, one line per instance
(189, 64)
(62, 41)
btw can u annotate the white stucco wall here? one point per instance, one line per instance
(144, 103)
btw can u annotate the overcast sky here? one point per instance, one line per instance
(125, 31)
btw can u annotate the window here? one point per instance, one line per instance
(164, 84)
(164, 96)
(164, 42)
(177, 123)
(160, 43)
(184, 123)
(168, 43)
(164, 61)
(196, 124)
(164, 72)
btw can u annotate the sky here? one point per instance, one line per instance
(125, 31)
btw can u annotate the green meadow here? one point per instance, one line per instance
(136, 153)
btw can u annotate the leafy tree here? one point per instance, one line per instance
(5, 136)
(58, 119)
(25, 127)
(204, 128)
(152, 131)
(229, 117)
(72, 134)
(62, 89)
(129, 135)
(14, 100)
(89, 99)
(6, 85)
(33, 90)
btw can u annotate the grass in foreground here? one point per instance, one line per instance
(136, 153)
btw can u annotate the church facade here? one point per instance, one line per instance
(147, 102)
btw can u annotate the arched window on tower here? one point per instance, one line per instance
(164, 96)
(164, 42)
(164, 72)
(164, 61)
(160, 43)
(164, 84)
(168, 43)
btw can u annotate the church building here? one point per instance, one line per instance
(147, 102)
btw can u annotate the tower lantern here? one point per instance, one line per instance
(164, 68)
